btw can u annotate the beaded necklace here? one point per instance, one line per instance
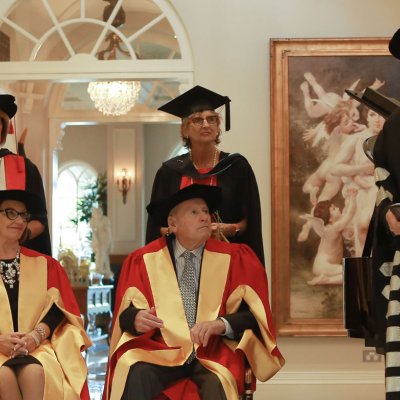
(9, 271)
(197, 168)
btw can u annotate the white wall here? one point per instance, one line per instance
(159, 141)
(93, 149)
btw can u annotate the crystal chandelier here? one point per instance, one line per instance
(114, 97)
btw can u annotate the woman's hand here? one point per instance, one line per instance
(221, 231)
(13, 344)
(30, 344)
(216, 230)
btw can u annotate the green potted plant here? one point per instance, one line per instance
(95, 196)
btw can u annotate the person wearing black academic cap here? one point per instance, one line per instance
(41, 330)
(181, 326)
(18, 172)
(238, 219)
(386, 245)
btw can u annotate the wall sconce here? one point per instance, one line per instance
(124, 183)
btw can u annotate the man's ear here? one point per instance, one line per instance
(172, 224)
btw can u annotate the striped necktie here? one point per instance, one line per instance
(187, 286)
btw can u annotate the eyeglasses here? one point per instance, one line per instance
(12, 214)
(199, 121)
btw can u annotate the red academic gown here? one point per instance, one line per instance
(42, 283)
(230, 274)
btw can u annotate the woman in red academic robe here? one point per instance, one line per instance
(41, 331)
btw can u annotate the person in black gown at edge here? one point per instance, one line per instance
(25, 176)
(238, 219)
(386, 246)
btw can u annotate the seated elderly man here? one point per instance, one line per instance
(189, 310)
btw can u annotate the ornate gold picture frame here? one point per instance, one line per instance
(308, 78)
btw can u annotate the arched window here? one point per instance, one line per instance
(126, 34)
(73, 180)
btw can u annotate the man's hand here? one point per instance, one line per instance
(201, 332)
(146, 321)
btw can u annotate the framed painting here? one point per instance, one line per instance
(323, 189)
(4, 47)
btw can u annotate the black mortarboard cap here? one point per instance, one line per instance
(160, 209)
(7, 104)
(198, 99)
(376, 101)
(32, 201)
(394, 45)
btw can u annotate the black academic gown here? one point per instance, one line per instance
(34, 184)
(385, 247)
(240, 196)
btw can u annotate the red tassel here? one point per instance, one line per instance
(11, 128)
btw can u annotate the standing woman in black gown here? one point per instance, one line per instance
(239, 216)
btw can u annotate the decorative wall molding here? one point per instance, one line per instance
(327, 378)
(79, 63)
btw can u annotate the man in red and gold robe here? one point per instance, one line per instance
(155, 350)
